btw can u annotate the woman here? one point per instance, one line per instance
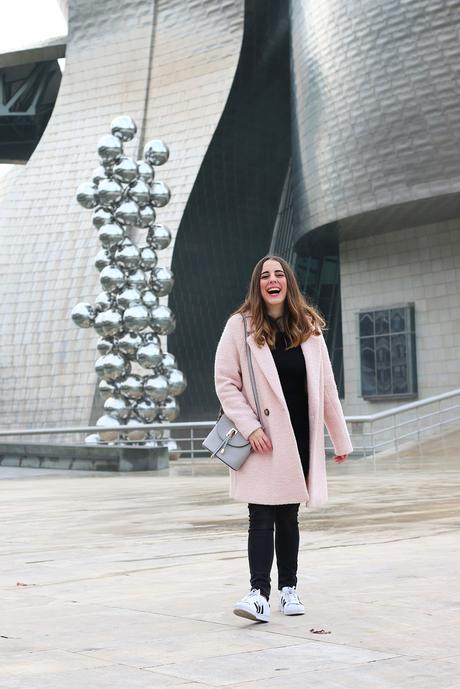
(297, 394)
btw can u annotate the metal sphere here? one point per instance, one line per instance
(156, 388)
(87, 195)
(92, 439)
(128, 213)
(169, 409)
(108, 422)
(109, 148)
(168, 362)
(110, 367)
(173, 449)
(136, 318)
(160, 194)
(162, 281)
(149, 355)
(83, 315)
(148, 258)
(156, 152)
(104, 346)
(176, 382)
(124, 127)
(109, 193)
(99, 174)
(128, 256)
(102, 259)
(159, 237)
(128, 297)
(140, 193)
(131, 387)
(145, 171)
(112, 278)
(148, 337)
(125, 170)
(147, 410)
(147, 216)
(107, 389)
(117, 407)
(110, 235)
(163, 320)
(101, 217)
(137, 279)
(103, 301)
(149, 299)
(108, 323)
(129, 344)
(137, 435)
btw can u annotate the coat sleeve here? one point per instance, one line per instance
(229, 385)
(333, 413)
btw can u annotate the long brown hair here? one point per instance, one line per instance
(299, 321)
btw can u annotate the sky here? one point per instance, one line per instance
(25, 21)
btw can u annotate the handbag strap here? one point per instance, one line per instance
(251, 371)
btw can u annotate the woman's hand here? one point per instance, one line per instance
(340, 459)
(260, 442)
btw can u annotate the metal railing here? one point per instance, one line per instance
(370, 434)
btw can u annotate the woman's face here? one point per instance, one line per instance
(273, 283)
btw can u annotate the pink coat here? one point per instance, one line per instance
(276, 478)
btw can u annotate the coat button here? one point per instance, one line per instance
(266, 412)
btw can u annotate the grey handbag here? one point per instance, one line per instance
(225, 441)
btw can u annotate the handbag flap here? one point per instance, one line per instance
(223, 426)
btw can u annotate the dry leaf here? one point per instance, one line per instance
(319, 631)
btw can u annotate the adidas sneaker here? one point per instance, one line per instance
(254, 606)
(290, 603)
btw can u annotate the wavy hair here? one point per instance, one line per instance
(300, 320)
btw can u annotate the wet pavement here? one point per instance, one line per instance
(128, 581)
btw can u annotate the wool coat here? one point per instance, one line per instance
(276, 477)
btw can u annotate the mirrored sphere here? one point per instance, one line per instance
(150, 337)
(169, 409)
(173, 449)
(149, 299)
(102, 259)
(109, 148)
(149, 355)
(159, 194)
(131, 387)
(129, 344)
(156, 152)
(107, 389)
(112, 278)
(101, 217)
(127, 213)
(110, 367)
(147, 410)
(104, 346)
(156, 388)
(162, 281)
(124, 127)
(140, 193)
(163, 320)
(128, 256)
(138, 435)
(108, 323)
(159, 237)
(128, 297)
(148, 258)
(168, 361)
(83, 315)
(125, 170)
(110, 235)
(117, 407)
(103, 301)
(136, 318)
(147, 216)
(87, 195)
(108, 422)
(109, 193)
(176, 382)
(137, 279)
(92, 439)
(145, 171)
(99, 174)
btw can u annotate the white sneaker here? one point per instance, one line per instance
(290, 603)
(254, 606)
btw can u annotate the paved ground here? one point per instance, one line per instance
(127, 582)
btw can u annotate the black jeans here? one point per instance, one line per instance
(263, 520)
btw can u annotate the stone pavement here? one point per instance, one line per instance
(127, 581)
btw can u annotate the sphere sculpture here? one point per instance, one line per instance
(138, 380)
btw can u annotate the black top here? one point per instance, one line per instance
(292, 372)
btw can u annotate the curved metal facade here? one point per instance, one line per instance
(376, 108)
